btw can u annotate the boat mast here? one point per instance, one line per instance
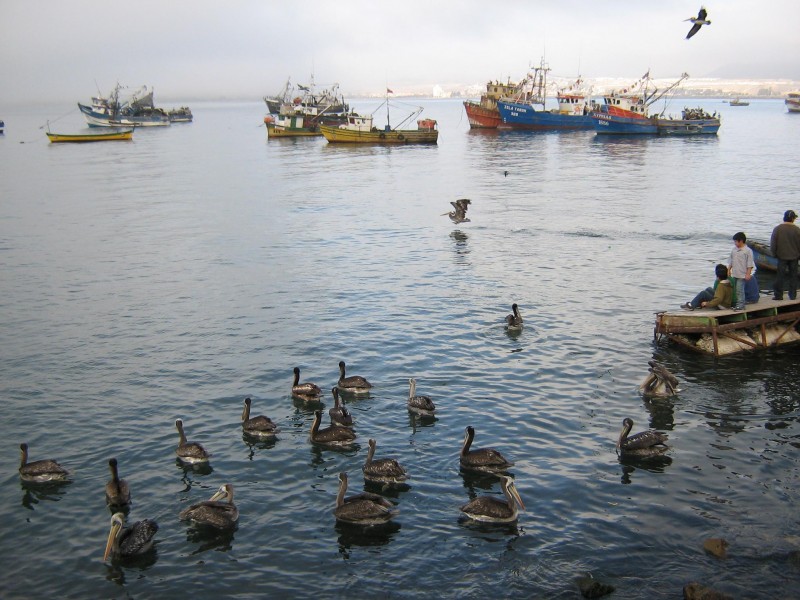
(388, 122)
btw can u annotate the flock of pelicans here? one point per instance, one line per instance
(365, 508)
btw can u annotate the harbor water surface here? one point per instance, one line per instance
(174, 275)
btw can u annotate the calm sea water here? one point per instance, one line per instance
(175, 275)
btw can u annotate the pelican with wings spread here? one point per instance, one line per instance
(459, 215)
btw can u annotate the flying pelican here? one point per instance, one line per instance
(339, 413)
(643, 445)
(422, 405)
(307, 392)
(118, 493)
(362, 509)
(459, 215)
(698, 21)
(355, 384)
(214, 512)
(127, 542)
(384, 470)
(493, 510)
(190, 452)
(514, 320)
(487, 460)
(260, 427)
(659, 382)
(40, 471)
(335, 435)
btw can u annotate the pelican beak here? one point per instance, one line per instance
(112, 535)
(517, 497)
(219, 495)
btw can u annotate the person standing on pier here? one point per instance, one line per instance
(785, 246)
(740, 268)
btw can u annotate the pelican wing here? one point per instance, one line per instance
(490, 509)
(643, 440)
(213, 513)
(137, 538)
(695, 28)
(364, 511)
(385, 467)
(485, 458)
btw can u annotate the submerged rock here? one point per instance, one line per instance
(591, 588)
(695, 591)
(716, 546)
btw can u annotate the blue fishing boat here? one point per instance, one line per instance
(574, 107)
(762, 256)
(693, 121)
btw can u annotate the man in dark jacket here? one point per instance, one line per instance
(785, 246)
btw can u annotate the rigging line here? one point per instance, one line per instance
(57, 118)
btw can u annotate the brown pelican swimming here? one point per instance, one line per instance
(659, 382)
(190, 452)
(644, 445)
(260, 427)
(354, 384)
(514, 320)
(307, 392)
(487, 460)
(698, 22)
(493, 510)
(40, 471)
(339, 413)
(335, 435)
(362, 509)
(422, 405)
(218, 511)
(117, 491)
(384, 470)
(127, 542)
(459, 215)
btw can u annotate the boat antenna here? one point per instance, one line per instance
(388, 121)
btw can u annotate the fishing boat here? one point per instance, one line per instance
(137, 110)
(739, 102)
(484, 114)
(2, 126)
(793, 102)
(574, 110)
(307, 99)
(693, 121)
(626, 111)
(109, 136)
(180, 115)
(291, 125)
(762, 255)
(360, 129)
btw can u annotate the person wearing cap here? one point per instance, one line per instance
(785, 246)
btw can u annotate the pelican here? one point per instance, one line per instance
(118, 493)
(422, 405)
(307, 392)
(698, 22)
(335, 435)
(659, 382)
(362, 509)
(459, 215)
(339, 413)
(514, 320)
(260, 427)
(487, 460)
(643, 445)
(190, 452)
(384, 470)
(214, 512)
(127, 542)
(354, 384)
(493, 510)
(40, 471)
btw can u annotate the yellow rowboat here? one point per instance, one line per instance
(359, 130)
(111, 136)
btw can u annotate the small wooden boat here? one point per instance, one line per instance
(739, 102)
(110, 136)
(762, 256)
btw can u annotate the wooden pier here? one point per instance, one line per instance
(766, 324)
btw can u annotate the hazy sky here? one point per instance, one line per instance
(57, 50)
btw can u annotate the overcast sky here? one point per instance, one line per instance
(63, 50)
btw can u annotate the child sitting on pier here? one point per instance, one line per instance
(720, 295)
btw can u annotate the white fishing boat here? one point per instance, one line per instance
(137, 110)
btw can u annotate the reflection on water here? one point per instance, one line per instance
(34, 493)
(352, 535)
(208, 538)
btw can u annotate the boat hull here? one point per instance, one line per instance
(99, 119)
(762, 256)
(277, 131)
(525, 116)
(793, 103)
(688, 126)
(481, 117)
(111, 136)
(605, 123)
(395, 136)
